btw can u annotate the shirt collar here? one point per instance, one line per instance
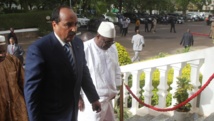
(60, 41)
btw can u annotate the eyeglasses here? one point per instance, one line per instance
(108, 42)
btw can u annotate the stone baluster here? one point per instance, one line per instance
(194, 78)
(177, 72)
(148, 86)
(135, 89)
(162, 87)
(125, 91)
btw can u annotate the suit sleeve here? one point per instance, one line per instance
(32, 86)
(21, 50)
(182, 40)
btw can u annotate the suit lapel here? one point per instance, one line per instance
(76, 50)
(59, 52)
(15, 48)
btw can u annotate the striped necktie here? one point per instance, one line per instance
(69, 55)
(12, 48)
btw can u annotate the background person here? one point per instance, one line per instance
(102, 60)
(12, 34)
(126, 22)
(212, 30)
(187, 39)
(152, 25)
(55, 70)
(172, 24)
(12, 104)
(154, 21)
(146, 25)
(138, 44)
(137, 24)
(15, 49)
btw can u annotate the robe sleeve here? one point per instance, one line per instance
(118, 80)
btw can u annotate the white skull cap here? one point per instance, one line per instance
(2, 40)
(107, 29)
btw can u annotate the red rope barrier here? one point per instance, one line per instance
(176, 106)
(199, 34)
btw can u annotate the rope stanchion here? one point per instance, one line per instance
(176, 106)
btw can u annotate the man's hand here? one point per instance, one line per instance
(81, 104)
(96, 106)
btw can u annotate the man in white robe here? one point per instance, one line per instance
(138, 44)
(102, 60)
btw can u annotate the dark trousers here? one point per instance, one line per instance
(151, 27)
(172, 27)
(146, 28)
(124, 31)
(121, 28)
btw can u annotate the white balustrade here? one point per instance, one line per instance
(177, 72)
(148, 86)
(125, 92)
(194, 78)
(163, 86)
(176, 62)
(135, 89)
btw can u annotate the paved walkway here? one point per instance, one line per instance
(165, 42)
(160, 42)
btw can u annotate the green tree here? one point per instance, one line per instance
(201, 3)
(8, 3)
(182, 4)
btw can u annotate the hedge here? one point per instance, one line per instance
(32, 19)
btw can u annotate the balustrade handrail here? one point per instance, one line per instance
(20, 30)
(178, 58)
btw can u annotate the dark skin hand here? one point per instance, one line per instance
(96, 106)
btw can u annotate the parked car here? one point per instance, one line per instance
(112, 17)
(179, 19)
(82, 21)
(192, 17)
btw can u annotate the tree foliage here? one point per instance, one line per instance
(101, 6)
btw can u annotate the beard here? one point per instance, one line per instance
(72, 33)
(70, 36)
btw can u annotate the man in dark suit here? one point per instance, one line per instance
(15, 49)
(172, 23)
(187, 40)
(12, 34)
(52, 78)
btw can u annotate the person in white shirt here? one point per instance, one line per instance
(126, 22)
(15, 49)
(102, 60)
(138, 44)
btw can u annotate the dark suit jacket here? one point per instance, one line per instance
(51, 88)
(187, 39)
(18, 51)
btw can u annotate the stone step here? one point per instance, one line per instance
(190, 117)
(209, 118)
